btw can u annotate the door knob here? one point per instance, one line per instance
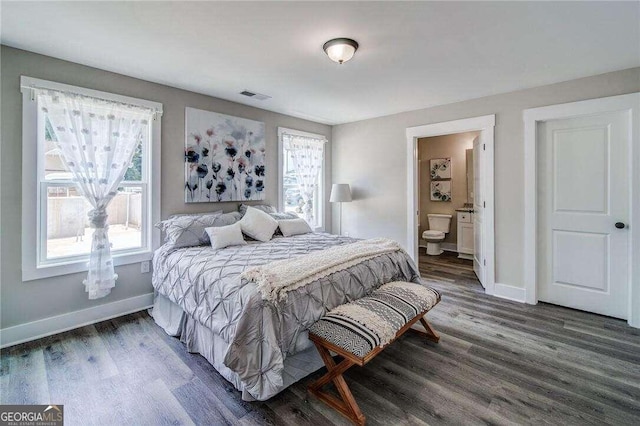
(620, 225)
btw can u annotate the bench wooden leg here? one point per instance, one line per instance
(347, 405)
(430, 333)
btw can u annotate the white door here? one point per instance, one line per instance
(478, 210)
(583, 212)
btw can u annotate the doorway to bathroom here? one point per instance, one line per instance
(445, 194)
(450, 196)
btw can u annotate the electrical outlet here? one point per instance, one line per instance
(144, 267)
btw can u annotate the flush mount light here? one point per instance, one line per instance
(340, 50)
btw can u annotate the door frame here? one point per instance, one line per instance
(485, 124)
(629, 103)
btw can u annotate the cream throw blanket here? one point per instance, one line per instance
(276, 279)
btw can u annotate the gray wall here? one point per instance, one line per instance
(379, 180)
(23, 302)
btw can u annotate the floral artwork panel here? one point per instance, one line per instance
(224, 158)
(441, 190)
(440, 168)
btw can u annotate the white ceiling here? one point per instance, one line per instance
(411, 56)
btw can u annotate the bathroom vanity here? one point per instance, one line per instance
(465, 233)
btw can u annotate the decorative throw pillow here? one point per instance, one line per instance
(258, 224)
(163, 225)
(242, 208)
(223, 219)
(188, 231)
(225, 236)
(283, 215)
(194, 214)
(290, 227)
(227, 219)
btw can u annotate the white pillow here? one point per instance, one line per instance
(225, 236)
(258, 224)
(290, 227)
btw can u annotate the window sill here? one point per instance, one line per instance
(34, 272)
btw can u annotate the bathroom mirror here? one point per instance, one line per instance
(469, 159)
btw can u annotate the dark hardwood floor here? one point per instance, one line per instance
(498, 362)
(447, 268)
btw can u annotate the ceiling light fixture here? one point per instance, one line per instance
(340, 50)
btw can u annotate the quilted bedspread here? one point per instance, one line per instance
(206, 284)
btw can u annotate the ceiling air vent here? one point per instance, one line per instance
(253, 95)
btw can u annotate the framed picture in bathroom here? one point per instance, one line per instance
(440, 168)
(441, 190)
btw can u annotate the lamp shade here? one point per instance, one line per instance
(340, 193)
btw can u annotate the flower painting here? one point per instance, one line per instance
(440, 168)
(441, 190)
(224, 158)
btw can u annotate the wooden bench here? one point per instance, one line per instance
(360, 330)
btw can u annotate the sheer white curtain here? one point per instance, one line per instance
(307, 154)
(97, 139)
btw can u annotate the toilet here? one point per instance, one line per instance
(438, 227)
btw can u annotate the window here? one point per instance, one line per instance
(57, 235)
(66, 233)
(301, 175)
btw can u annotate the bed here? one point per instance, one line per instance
(261, 347)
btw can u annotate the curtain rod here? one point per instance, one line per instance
(38, 88)
(35, 84)
(322, 139)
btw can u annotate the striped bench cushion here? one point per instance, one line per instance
(364, 324)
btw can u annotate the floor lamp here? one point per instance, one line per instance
(340, 193)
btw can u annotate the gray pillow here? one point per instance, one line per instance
(242, 208)
(224, 219)
(227, 219)
(283, 215)
(194, 214)
(268, 209)
(188, 230)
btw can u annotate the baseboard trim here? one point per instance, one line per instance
(449, 247)
(444, 246)
(509, 292)
(48, 326)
